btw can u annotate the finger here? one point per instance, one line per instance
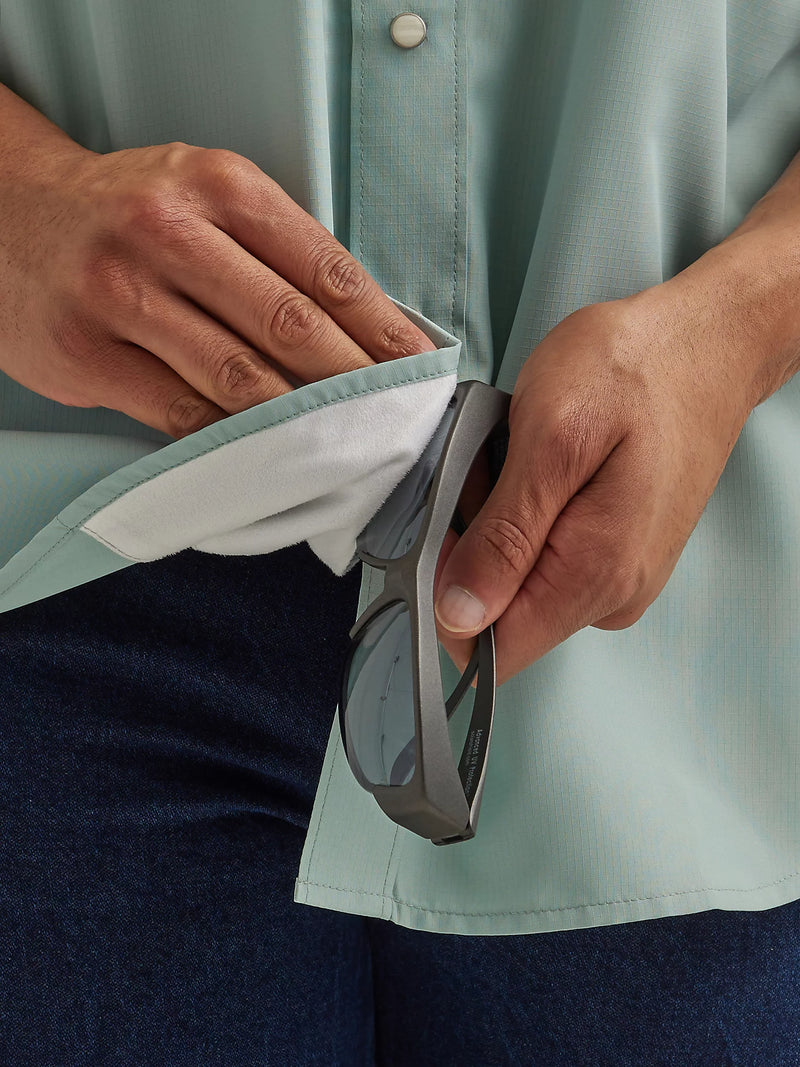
(477, 486)
(544, 468)
(129, 379)
(589, 568)
(216, 362)
(473, 495)
(262, 218)
(262, 307)
(457, 649)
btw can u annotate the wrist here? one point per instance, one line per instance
(29, 142)
(741, 300)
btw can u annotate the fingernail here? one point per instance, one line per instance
(458, 610)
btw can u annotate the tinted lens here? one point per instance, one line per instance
(393, 530)
(380, 729)
(379, 701)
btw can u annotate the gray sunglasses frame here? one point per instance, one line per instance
(441, 802)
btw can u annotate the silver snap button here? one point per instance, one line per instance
(408, 30)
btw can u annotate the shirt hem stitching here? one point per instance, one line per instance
(544, 911)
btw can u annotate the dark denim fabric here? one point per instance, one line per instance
(161, 736)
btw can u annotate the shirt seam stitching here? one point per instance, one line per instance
(67, 531)
(410, 380)
(324, 798)
(77, 526)
(456, 163)
(361, 136)
(542, 911)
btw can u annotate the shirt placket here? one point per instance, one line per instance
(408, 126)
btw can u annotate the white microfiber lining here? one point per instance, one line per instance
(319, 477)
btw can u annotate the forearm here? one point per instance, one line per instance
(746, 292)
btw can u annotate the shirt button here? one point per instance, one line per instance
(408, 30)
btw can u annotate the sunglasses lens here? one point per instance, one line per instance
(380, 729)
(393, 530)
(379, 701)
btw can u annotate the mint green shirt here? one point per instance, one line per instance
(527, 159)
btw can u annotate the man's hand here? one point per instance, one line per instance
(175, 284)
(621, 422)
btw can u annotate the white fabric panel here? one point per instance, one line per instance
(319, 477)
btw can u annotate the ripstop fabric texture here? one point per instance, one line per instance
(512, 168)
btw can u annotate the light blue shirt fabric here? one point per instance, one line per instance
(527, 159)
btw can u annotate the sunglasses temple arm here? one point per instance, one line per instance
(464, 681)
(472, 765)
(405, 759)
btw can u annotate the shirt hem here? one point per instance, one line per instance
(546, 920)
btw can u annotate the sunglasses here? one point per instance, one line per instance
(401, 731)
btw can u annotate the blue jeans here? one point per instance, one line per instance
(161, 736)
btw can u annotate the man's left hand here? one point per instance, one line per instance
(621, 423)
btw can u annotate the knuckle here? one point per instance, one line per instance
(154, 213)
(293, 321)
(188, 413)
(339, 278)
(395, 340)
(508, 545)
(224, 173)
(236, 375)
(177, 152)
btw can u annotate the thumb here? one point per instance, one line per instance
(495, 554)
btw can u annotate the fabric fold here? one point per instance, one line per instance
(313, 465)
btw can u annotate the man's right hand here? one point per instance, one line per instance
(176, 284)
